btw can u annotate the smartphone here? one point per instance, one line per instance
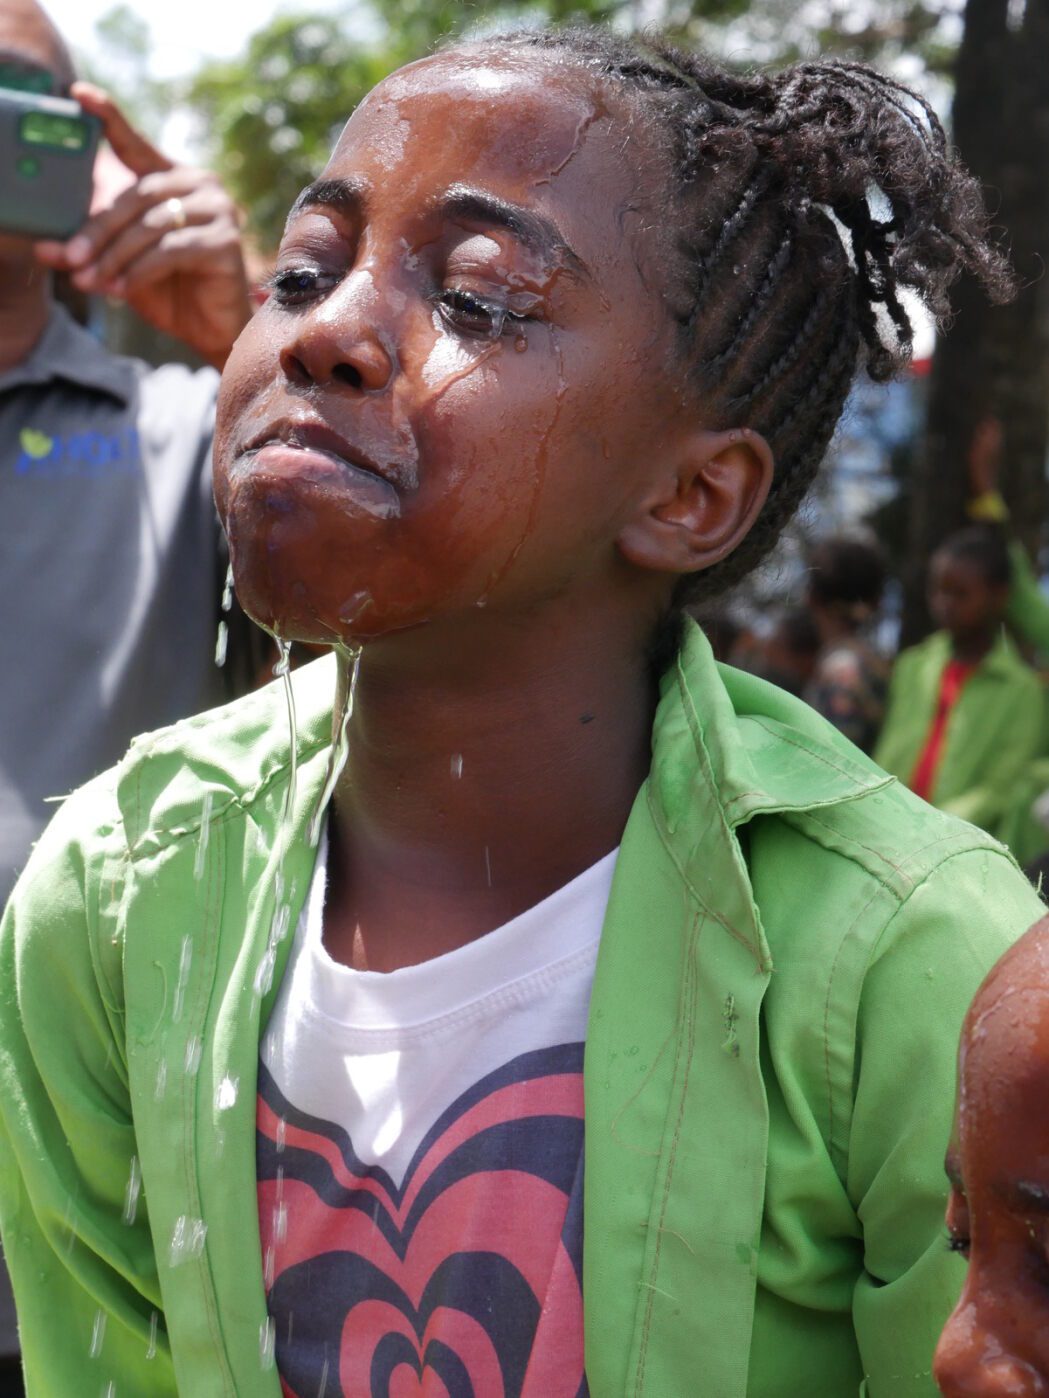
(47, 155)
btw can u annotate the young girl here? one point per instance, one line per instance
(555, 343)
(966, 715)
(996, 1342)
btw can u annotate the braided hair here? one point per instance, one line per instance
(803, 203)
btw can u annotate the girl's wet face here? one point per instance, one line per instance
(996, 1342)
(455, 394)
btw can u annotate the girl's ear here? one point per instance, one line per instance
(701, 507)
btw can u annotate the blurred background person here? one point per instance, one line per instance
(112, 564)
(105, 464)
(966, 714)
(849, 680)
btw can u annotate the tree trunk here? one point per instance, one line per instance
(995, 360)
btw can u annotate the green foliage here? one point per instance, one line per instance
(273, 115)
(120, 63)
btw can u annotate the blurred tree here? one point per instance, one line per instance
(120, 62)
(995, 361)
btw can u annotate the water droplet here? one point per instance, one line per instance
(280, 1223)
(226, 1095)
(202, 838)
(457, 765)
(194, 1052)
(323, 1386)
(110, 1390)
(339, 751)
(282, 1133)
(488, 866)
(227, 591)
(187, 1240)
(162, 1080)
(151, 1352)
(185, 957)
(98, 1334)
(221, 644)
(131, 1193)
(267, 1342)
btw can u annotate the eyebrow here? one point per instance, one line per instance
(531, 228)
(344, 196)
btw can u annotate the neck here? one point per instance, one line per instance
(476, 787)
(25, 304)
(971, 649)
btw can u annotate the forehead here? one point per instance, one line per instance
(1005, 1058)
(540, 132)
(956, 569)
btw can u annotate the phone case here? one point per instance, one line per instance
(47, 154)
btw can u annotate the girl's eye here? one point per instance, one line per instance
(295, 285)
(956, 1243)
(473, 315)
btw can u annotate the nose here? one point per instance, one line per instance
(971, 1362)
(339, 342)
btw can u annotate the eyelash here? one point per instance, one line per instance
(455, 304)
(294, 286)
(288, 289)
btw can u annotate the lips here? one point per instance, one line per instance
(317, 439)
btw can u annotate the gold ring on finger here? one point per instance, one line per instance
(177, 210)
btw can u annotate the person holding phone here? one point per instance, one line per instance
(110, 572)
(110, 567)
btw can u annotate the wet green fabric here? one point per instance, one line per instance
(995, 730)
(790, 943)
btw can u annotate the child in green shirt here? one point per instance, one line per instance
(555, 344)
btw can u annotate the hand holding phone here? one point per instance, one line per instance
(168, 244)
(47, 155)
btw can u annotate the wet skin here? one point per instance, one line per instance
(996, 1343)
(457, 434)
(964, 603)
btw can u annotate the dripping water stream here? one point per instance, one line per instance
(340, 747)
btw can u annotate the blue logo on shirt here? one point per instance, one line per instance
(77, 453)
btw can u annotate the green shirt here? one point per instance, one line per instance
(789, 947)
(995, 730)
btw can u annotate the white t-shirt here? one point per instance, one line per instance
(420, 1140)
